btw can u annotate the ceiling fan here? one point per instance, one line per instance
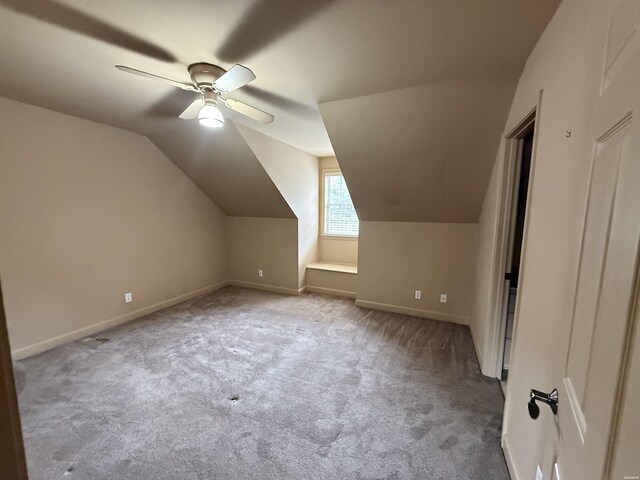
(212, 81)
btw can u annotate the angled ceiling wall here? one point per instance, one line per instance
(220, 162)
(294, 172)
(420, 154)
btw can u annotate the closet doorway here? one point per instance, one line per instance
(520, 190)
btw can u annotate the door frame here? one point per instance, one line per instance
(512, 168)
(511, 141)
(12, 456)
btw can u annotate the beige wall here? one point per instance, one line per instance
(267, 244)
(397, 258)
(295, 174)
(87, 213)
(335, 250)
(566, 65)
(338, 250)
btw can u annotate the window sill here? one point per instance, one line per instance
(338, 237)
(334, 267)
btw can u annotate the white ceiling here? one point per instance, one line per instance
(60, 55)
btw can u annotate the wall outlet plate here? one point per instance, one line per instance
(418, 295)
(259, 273)
(539, 475)
(128, 297)
(443, 298)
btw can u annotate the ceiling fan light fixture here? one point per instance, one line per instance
(210, 81)
(210, 116)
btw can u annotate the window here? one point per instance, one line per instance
(339, 216)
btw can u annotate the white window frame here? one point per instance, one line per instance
(325, 172)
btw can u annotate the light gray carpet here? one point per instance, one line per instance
(241, 384)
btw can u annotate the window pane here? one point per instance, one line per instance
(339, 215)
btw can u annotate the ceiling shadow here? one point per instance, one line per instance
(73, 20)
(172, 104)
(278, 100)
(265, 22)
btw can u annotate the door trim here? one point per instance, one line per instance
(508, 456)
(12, 456)
(510, 142)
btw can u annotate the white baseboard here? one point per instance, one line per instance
(50, 343)
(268, 288)
(475, 344)
(331, 291)
(478, 354)
(416, 312)
(513, 471)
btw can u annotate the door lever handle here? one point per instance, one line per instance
(550, 399)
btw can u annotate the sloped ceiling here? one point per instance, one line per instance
(421, 154)
(224, 167)
(60, 54)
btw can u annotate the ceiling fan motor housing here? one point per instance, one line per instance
(204, 74)
(210, 97)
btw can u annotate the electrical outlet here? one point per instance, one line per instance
(443, 298)
(418, 295)
(128, 297)
(539, 475)
(259, 273)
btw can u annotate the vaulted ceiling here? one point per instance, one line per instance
(224, 167)
(420, 154)
(60, 54)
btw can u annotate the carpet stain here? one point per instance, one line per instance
(323, 451)
(449, 443)
(419, 432)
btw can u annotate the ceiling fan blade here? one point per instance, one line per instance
(192, 110)
(249, 111)
(184, 86)
(236, 77)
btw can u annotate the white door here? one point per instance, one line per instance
(596, 409)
